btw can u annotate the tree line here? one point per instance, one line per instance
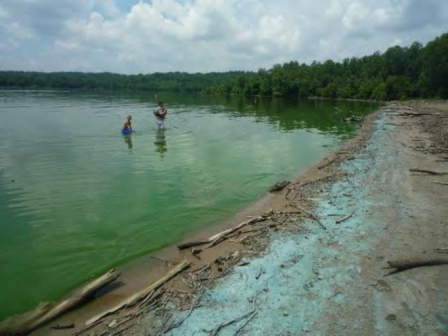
(399, 73)
(173, 81)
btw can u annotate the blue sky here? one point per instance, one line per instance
(132, 36)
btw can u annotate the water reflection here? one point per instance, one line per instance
(160, 142)
(128, 140)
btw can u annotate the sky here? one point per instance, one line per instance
(147, 36)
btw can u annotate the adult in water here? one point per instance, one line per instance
(160, 115)
(127, 126)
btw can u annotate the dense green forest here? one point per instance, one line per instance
(398, 73)
(173, 81)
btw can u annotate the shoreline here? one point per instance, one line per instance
(377, 216)
(146, 269)
(333, 230)
(160, 267)
(342, 280)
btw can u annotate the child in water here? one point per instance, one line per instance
(127, 127)
(160, 115)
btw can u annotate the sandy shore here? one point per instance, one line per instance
(289, 275)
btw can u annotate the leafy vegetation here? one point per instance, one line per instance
(398, 73)
(174, 81)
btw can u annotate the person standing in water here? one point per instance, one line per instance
(127, 126)
(160, 115)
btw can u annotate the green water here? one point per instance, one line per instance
(77, 197)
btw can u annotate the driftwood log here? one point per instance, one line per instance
(137, 297)
(24, 324)
(217, 238)
(279, 186)
(407, 264)
(426, 171)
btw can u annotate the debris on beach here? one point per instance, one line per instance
(354, 119)
(279, 186)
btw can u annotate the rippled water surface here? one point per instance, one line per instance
(77, 197)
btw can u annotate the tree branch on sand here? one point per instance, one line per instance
(46, 312)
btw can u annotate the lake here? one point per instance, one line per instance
(77, 197)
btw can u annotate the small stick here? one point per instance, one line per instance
(326, 164)
(425, 171)
(339, 221)
(146, 299)
(312, 216)
(223, 325)
(260, 270)
(82, 331)
(201, 268)
(406, 264)
(193, 306)
(63, 326)
(122, 330)
(442, 183)
(245, 324)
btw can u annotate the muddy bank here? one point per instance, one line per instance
(290, 275)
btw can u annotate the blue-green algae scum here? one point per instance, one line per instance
(77, 197)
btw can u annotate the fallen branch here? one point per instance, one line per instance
(442, 183)
(192, 244)
(63, 326)
(85, 329)
(311, 215)
(45, 313)
(215, 331)
(326, 164)
(247, 231)
(414, 114)
(134, 299)
(339, 221)
(425, 171)
(245, 323)
(258, 275)
(217, 238)
(406, 264)
(118, 332)
(194, 305)
(279, 186)
(305, 183)
(393, 124)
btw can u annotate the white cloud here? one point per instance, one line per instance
(208, 35)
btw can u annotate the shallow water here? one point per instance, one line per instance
(77, 197)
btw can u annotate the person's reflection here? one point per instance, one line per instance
(160, 142)
(128, 140)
